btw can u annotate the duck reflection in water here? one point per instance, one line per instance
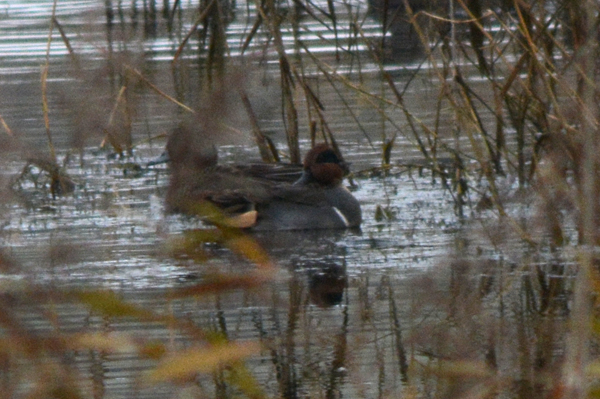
(259, 196)
(326, 284)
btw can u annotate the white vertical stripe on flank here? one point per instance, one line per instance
(342, 217)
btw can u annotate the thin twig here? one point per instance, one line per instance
(45, 86)
(192, 30)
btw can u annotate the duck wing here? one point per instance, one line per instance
(271, 172)
(220, 186)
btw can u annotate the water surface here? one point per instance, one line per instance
(347, 311)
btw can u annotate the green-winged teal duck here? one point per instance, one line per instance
(260, 196)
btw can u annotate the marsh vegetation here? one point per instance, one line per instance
(471, 130)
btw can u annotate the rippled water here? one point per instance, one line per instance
(112, 232)
(112, 210)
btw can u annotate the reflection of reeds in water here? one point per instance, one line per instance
(470, 328)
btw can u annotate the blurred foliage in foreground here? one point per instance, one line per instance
(538, 60)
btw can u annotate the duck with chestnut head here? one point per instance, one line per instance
(318, 200)
(260, 196)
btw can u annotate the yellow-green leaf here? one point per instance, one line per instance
(201, 360)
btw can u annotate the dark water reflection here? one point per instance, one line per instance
(369, 313)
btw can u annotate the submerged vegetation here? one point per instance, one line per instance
(510, 129)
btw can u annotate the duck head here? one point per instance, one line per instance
(322, 166)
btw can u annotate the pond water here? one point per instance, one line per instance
(348, 313)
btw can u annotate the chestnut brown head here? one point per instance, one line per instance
(324, 165)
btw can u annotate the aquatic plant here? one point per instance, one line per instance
(514, 89)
